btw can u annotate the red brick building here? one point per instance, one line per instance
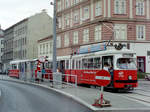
(84, 22)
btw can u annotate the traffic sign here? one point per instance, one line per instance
(42, 59)
(103, 78)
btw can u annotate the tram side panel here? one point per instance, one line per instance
(13, 73)
(125, 78)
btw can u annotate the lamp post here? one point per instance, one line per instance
(54, 37)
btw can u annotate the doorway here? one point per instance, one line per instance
(141, 63)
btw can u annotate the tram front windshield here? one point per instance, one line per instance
(126, 63)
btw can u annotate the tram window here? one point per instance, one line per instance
(14, 66)
(73, 63)
(97, 63)
(126, 63)
(109, 60)
(84, 64)
(90, 63)
(80, 66)
(77, 64)
(67, 64)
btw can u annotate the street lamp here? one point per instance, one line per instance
(54, 36)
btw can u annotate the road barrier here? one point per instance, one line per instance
(54, 79)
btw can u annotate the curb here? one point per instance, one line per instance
(0, 94)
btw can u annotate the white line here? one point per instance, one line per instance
(102, 77)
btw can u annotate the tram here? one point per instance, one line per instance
(30, 68)
(85, 65)
(16, 67)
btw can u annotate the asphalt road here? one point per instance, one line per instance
(18, 97)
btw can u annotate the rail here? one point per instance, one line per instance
(53, 78)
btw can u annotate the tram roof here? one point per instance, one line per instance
(106, 52)
(17, 61)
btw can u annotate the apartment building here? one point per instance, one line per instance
(1, 48)
(21, 38)
(45, 47)
(86, 22)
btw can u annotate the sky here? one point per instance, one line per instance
(13, 11)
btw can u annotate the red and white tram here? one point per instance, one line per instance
(122, 67)
(31, 67)
(85, 65)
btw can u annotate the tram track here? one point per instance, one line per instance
(139, 99)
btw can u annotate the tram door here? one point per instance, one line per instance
(108, 60)
(62, 66)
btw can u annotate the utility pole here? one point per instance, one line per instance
(54, 38)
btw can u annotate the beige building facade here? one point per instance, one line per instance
(28, 32)
(45, 47)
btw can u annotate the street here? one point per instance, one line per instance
(141, 93)
(18, 97)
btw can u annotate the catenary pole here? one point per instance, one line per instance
(54, 38)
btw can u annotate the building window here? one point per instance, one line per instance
(67, 3)
(40, 48)
(46, 48)
(140, 7)
(75, 37)
(58, 42)
(59, 5)
(51, 47)
(76, 16)
(140, 32)
(76, 1)
(85, 35)
(98, 8)
(2, 49)
(67, 20)
(66, 40)
(120, 6)
(43, 48)
(59, 22)
(97, 33)
(2, 41)
(120, 31)
(86, 12)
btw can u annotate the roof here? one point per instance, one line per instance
(106, 52)
(17, 61)
(46, 38)
(17, 23)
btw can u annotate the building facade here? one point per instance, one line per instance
(85, 22)
(8, 47)
(1, 48)
(24, 36)
(45, 47)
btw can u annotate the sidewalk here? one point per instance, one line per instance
(87, 96)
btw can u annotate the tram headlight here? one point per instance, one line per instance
(130, 77)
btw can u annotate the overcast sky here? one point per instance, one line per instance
(13, 11)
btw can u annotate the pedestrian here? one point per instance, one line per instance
(43, 72)
(106, 66)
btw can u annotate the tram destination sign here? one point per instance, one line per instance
(103, 78)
